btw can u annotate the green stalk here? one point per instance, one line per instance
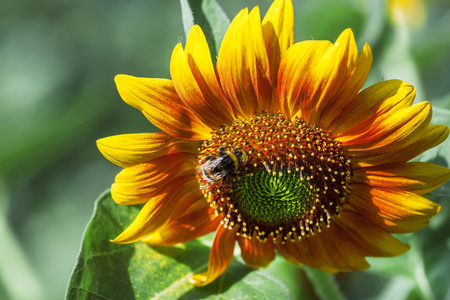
(324, 284)
(16, 274)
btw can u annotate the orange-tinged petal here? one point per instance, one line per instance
(172, 199)
(343, 246)
(338, 105)
(293, 73)
(398, 130)
(329, 251)
(431, 137)
(416, 177)
(278, 33)
(299, 253)
(130, 149)
(377, 102)
(195, 81)
(199, 219)
(330, 76)
(255, 253)
(385, 115)
(312, 82)
(368, 237)
(161, 105)
(220, 257)
(394, 210)
(243, 66)
(338, 250)
(138, 183)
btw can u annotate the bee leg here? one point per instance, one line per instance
(209, 157)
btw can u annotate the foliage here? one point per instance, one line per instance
(58, 61)
(137, 271)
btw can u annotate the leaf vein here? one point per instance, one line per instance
(179, 282)
(89, 292)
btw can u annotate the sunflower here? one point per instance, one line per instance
(277, 148)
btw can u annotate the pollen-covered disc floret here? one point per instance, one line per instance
(274, 177)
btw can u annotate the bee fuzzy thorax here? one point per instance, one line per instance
(274, 177)
(213, 169)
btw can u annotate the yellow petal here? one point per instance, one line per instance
(330, 75)
(278, 33)
(159, 102)
(199, 219)
(384, 135)
(377, 102)
(243, 65)
(313, 78)
(195, 81)
(130, 149)
(336, 110)
(220, 257)
(394, 210)
(138, 183)
(173, 199)
(295, 66)
(432, 136)
(416, 177)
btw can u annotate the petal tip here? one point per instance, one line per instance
(345, 37)
(198, 280)
(119, 78)
(100, 142)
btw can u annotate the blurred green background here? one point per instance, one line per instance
(58, 60)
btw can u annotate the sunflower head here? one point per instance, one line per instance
(294, 180)
(278, 148)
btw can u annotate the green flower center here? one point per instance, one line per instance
(272, 200)
(274, 177)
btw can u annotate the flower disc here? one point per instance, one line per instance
(271, 200)
(289, 178)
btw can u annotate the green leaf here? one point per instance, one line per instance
(324, 284)
(211, 18)
(187, 16)
(105, 270)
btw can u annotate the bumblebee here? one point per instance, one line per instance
(216, 168)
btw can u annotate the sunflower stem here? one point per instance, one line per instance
(324, 284)
(419, 269)
(15, 269)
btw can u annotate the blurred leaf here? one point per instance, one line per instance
(324, 284)
(51, 133)
(441, 102)
(187, 16)
(440, 154)
(292, 276)
(211, 18)
(374, 23)
(16, 270)
(105, 270)
(397, 288)
(334, 16)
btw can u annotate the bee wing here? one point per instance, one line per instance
(207, 183)
(213, 163)
(199, 171)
